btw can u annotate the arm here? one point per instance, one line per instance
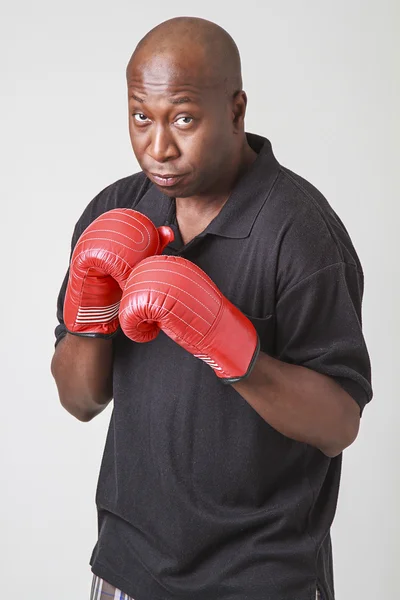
(315, 387)
(102, 258)
(82, 369)
(302, 404)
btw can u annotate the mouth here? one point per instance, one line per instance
(165, 180)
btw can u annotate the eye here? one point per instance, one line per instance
(184, 121)
(140, 117)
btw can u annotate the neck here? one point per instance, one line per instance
(211, 204)
(194, 214)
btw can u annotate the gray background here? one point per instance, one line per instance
(323, 84)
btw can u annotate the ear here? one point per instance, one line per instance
(239, 104)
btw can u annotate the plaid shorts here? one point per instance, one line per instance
(101, 590)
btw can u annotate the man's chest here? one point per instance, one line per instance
(244, 271)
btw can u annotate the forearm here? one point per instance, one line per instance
(82, 369)
(301, 404)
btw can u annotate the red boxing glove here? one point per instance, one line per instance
(175, 295)
(100, 264)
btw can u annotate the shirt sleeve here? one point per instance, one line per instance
(318, 326)
(60, 330)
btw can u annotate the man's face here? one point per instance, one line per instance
(180, 128)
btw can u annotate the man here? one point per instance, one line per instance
(221, 469)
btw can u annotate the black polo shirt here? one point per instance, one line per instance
(198, 497)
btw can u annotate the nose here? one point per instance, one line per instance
(162, 147)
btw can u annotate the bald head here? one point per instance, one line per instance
(196, 45)
(187, 108)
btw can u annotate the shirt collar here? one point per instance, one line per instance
(237, 216)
